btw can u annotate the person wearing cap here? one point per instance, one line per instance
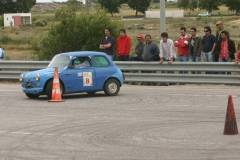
(167, 50)
(220, 28)
(139, 48)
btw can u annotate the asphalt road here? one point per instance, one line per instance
(143, 123)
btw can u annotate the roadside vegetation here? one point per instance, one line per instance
(40, 41)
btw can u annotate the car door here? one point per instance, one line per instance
(79, 76)
(103, 70)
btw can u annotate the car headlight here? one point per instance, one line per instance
(21, 77)
(37, 77)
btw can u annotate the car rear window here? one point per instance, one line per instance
(100, 61)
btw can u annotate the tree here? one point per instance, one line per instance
(188, 4)
(112, 6)
(139, 5)
(209, 5)
(82, 31)
(74, 4)
(233, 5)
(10, 6)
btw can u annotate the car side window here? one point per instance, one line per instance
(100, 61)
(80, 62)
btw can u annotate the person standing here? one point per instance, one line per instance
(123, 46)
(194, 46)
(182, 45)
(220, 28)
(139, 48)
(2, 54)
(151, 50)
(167, 51)
(208, 45)
(237, 55)
(107, 43)
(225, 48)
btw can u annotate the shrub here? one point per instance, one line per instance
(40, 23)
(78, 32)
(1, 21)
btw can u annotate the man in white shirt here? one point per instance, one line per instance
(1, 53)
(167, 50)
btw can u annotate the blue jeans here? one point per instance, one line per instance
(182, 58)
(207, 56)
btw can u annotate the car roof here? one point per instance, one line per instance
(84, 53)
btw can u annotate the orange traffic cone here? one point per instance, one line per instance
(56, 90)
(230, 122)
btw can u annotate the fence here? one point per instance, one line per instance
(148, 72)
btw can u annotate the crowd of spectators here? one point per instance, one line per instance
(191, 47)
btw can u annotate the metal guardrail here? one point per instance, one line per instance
(147, 72)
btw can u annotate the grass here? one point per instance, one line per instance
(18, 42)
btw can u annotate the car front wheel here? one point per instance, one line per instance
(48, 90)
(112, 87)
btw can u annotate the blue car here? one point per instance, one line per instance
(83, 71)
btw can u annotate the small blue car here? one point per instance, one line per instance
(82, 71)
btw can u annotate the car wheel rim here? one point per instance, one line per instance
(112, 87)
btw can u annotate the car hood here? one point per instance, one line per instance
(42, 72)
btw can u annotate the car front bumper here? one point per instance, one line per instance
(33, 90)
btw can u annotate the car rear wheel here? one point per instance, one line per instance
(111, 87)
(32, 96)
(48, 90)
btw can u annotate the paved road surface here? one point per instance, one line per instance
(142, 123)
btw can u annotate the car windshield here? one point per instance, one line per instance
(59, 61)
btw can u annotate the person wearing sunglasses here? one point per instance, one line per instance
(208, 45)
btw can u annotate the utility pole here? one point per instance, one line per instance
(162, 16)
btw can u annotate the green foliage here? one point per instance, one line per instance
(78, 32)
(40, 23)
(65, 13)
(9, 6)
(210, 5)
(233, 5)
(1, 21)
(74, 4)
(188, 4)
(112, 6)
(139, 6)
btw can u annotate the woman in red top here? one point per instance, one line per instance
(123, 46)
(225, 48)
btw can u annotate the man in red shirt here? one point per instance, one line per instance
(123, 46)
(182, 45)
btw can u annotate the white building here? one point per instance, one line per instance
(17, 19)
(173, 13)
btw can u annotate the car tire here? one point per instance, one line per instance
(48, 89)
(111, 87)
(32, 96)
